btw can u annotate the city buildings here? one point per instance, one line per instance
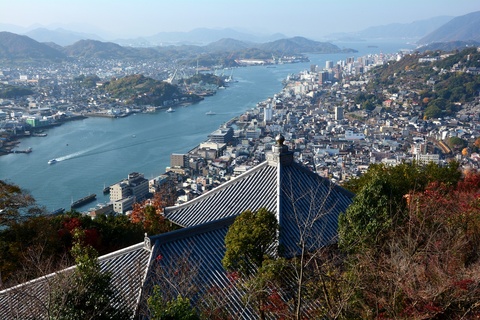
(128, 191)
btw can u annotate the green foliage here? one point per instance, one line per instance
(462, 57)
(87, 81)
(176, 309)
(367, 101)
(456, 143)
(433, 111)
(369, 217)
(142, 90)
(15, 204)
(9, 92)
(379, 204)
(86, 293)
(205, 78)
(406, 177)
(250, 240)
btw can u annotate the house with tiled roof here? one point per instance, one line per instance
(187, 262)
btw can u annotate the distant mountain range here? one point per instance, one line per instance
(441, 33)
(18, 47)
(414, 30)
(15, 47)
(437, 29)
(204, 36)
(463, 28)
(57, 44)
(59, 36)
(201, 36)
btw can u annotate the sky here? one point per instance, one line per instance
(308, 18)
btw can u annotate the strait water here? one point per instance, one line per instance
(95, 152)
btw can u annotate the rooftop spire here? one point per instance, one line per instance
(280, 153)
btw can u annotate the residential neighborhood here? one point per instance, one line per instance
(331, 133)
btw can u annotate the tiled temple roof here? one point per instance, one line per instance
(188, 261)
(127, 268)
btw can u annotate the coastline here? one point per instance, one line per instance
(95, 152)
(12, 141)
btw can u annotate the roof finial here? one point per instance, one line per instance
(280, 153)
(280, 139)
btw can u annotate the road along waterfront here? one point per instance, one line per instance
(96, 151)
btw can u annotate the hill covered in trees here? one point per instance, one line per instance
(140, 90)
(440, 82)
(23, 49)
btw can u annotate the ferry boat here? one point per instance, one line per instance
(52, 161)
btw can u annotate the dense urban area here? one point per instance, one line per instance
(375, 160)
(338, 119)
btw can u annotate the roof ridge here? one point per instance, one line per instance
(193, 230)
(219, 188)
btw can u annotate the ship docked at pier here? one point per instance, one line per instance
(84, 200)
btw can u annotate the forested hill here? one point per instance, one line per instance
(449, 75)
(24, 49)
(141, 90)
(463, 28)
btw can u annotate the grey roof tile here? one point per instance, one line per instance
(30, 300)
(188, 261)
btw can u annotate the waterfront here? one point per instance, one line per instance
(97, 151)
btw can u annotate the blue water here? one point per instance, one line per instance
(98, 151)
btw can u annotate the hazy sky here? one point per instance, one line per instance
(309, 18)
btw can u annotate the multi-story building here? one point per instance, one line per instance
(126, 192)
(222, 135)
(338, 113)
(178, 160)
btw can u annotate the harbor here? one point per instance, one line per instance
(93, 151)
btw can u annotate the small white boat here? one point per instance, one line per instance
(210, 113)
(170, 110)
(52, 161)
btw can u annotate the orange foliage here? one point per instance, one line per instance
(444, 225)
(150, 212)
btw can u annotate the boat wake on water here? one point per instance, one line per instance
(101, 149)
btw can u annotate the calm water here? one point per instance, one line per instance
(98, 151)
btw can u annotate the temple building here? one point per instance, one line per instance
(307, 207)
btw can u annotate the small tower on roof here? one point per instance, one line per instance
(280, 153)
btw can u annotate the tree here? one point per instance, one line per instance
(15, 204)
(407, 176)
(433, 111)
(150, 212)
(425, 266)
(85, 293)
(250, 241)
(380, 201)
(369, 217)
(456, 143)
(251, 252)
(176, 309)
(477, 143)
